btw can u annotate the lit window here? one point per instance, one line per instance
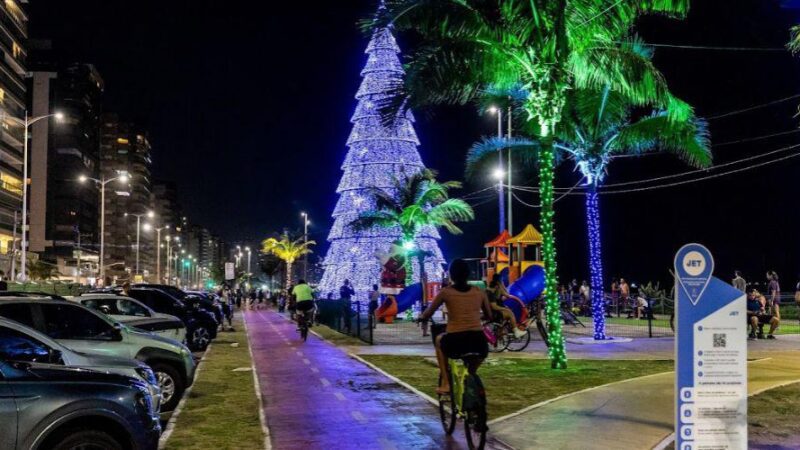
(11, 183)
(5, 243)
(16, 50)
(122, 141)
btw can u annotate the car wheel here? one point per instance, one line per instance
(171, 384)
(85, 440)
(200, 338)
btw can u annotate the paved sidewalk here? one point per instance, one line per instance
(636, 414)
(317, 397)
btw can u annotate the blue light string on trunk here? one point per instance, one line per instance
(595, 262)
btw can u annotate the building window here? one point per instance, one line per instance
(16, 50)
(5, 243)
(11, 183)
(122, 141)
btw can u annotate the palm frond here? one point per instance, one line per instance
(794, 41)
(523, 150)
(688, 139)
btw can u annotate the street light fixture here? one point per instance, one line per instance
(26, 124)
(122, 177)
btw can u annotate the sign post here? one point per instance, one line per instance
(711, 356)
(230, 274)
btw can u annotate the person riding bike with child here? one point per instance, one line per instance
(498, 294)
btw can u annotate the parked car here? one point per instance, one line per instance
(201, 327)
(197, 299)
(134, 314)
(87, 331)
(46, 406)
(24, 344)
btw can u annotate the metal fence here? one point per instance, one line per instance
(347, 317)
(622, 320)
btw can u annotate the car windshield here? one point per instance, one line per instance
(118, 306)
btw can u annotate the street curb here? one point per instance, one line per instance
(257, 386)
(162, 441)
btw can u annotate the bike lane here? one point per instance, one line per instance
(316, 397)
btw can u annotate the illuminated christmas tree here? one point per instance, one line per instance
(377, 156)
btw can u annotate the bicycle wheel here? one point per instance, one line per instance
(518, 344)
(475, 427)
(447, 408)
(501, 343)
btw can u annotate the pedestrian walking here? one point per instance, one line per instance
(624, 292)
(739, 282)
(774, 294)
(374, 300)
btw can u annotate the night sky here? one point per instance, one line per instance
(248, 108)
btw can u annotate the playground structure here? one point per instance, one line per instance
(515, 258)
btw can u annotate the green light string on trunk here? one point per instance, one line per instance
(556, 351)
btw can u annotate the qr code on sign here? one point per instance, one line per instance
(720, 339)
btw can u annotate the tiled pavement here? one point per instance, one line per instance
(317, 397)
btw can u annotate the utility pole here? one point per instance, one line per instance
(14, 250)
(510, 204)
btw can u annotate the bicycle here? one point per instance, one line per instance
(501, 336)
(466, 399)
(302, 322)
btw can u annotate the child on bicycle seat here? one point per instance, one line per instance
(464, 334)
(497, 295)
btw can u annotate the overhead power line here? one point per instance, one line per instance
(718, 48)
(753, 108)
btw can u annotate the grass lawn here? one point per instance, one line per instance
(513, 384)
(773, 418)
(336, 337)
(222, 409)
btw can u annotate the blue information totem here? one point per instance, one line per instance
(711, 356)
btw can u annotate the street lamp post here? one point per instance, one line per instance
(306, 223)
(148, 214)
(249, 254)
(510, 204)
(158, 252)
(26, 123)
(500, 195)
(123, 177)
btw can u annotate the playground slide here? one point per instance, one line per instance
(408, 297)
(527, 288)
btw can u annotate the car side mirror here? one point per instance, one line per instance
(116, 333)
(55, 357)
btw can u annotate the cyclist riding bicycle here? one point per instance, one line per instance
(464, 333)
(304, 298)
(497, 295)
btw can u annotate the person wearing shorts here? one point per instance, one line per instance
(304, 297)
(464, 333)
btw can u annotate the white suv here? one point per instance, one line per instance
(83, 330)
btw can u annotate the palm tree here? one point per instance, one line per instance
(43, 271)
(288, 251)
(597, 127)
(547, 46)
(416, 202)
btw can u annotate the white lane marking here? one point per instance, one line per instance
(325, 382)
(339, 396)
(306, 361)
(315, 370)
(299, 353)
(358, 416)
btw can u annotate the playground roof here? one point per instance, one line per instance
(499, 241)
(529, 235)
